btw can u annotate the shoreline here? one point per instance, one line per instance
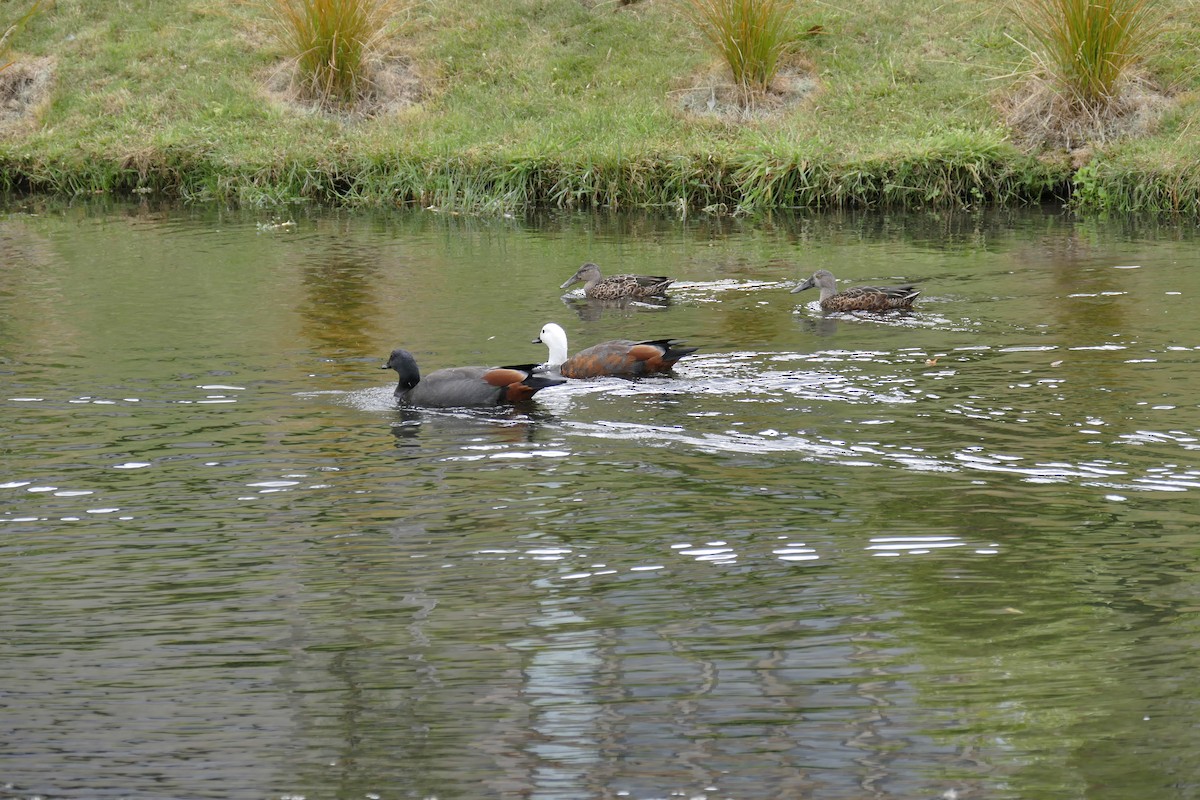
(696, 184)
(528, 104)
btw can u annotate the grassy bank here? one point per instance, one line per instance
(578, 104)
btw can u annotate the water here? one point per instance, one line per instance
(944, 554)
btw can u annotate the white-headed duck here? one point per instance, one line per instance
(617, 357)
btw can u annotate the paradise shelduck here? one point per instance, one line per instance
(617, 287)
(465, 386)
(858, 298)
(617, 357)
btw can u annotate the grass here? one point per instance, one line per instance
(750, 35)
(553, 102)
(1090, 48)
(12, 28)
(332, 43)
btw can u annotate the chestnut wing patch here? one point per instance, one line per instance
(519, 392)
(589, 364)
(649, 356)
(504, 376)
(614, 358)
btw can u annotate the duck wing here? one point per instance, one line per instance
(622, 357)
(640, 285)
(522, 381)
(479, 386)
(875, 297)
(650, 280)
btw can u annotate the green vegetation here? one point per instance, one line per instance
(332, 42)
(492, 106)
(750, 35)
(9, 30)
(1090, 47)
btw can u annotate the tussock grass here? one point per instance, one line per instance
(12, 28)
(332, 43)
(1090, 47)
(750, 35)
(1088, 84)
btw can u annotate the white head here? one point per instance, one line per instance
(555, 338)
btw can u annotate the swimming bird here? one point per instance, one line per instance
(858, 298)
(617, 357)
(465, 386)
(618, 287)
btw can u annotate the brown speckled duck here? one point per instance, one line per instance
(465, 386)
(618, 287)
(617, 357)
(858, 298)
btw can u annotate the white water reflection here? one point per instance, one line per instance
(919, 318)
(912, 545)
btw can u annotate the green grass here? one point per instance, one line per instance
(8, 28)
(550, 102)
(750, 35)
(1090, 47)
(332, 43)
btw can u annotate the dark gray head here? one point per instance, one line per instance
(822, 278)
(406, 367)
(587, 273)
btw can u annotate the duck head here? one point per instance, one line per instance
(406, 367)
(555, 338)
(588, 273)
(822, 278)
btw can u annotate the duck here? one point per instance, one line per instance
(465, 386)
(858, 298)
(619, 357)
(617, 287)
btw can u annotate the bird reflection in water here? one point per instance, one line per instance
(590, 310)
(413, 427)
(821, 326)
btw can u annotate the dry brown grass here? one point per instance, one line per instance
(713, 97)
(396, 84)
(25, 85)
(1042, 115)
(1087, 84)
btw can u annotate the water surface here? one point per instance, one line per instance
(949, 553)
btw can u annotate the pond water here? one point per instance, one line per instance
(943, 554)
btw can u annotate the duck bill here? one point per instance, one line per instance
(808, 284)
